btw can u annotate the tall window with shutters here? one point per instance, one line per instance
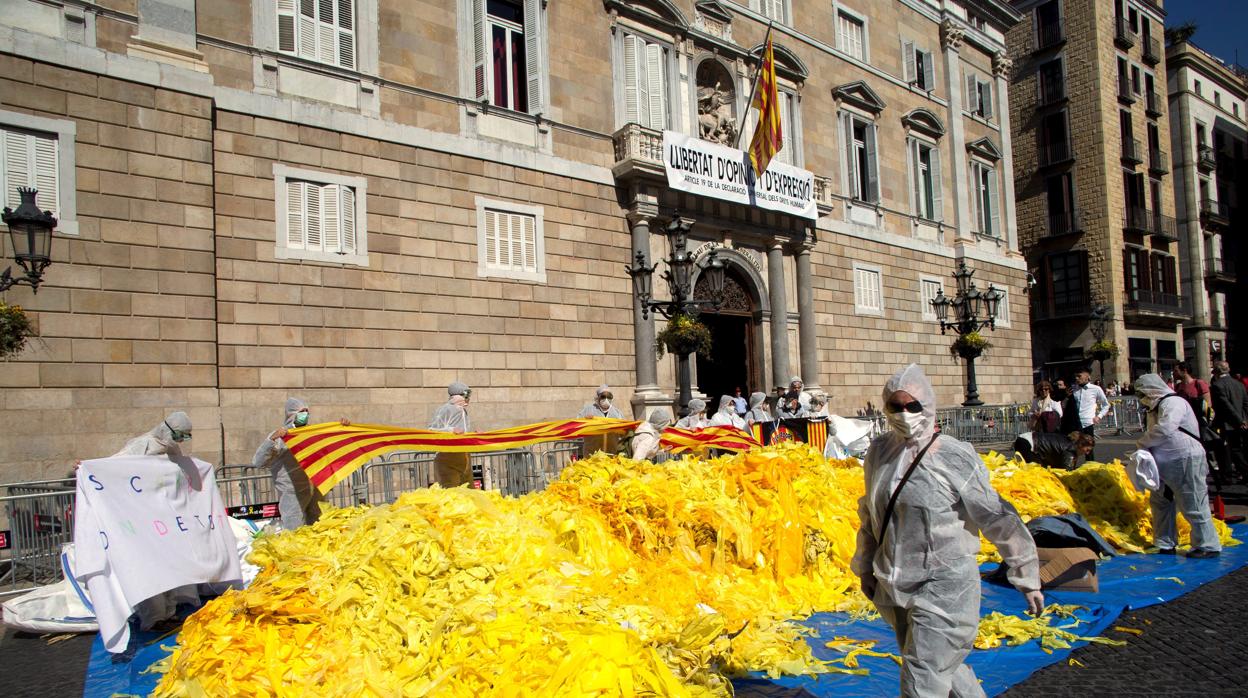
(319, 30)
(646, 71)
(510, 241)
(320, 216)
(929, 286)
(771, 9)
(987, 202)
(925, 179)
(861, 162)
(868, 290)
(30, 159)
(919, 66)
(508, 53)
(979, 97)
(790, 133)
(851, 35)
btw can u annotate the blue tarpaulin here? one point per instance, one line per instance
(1127, 582)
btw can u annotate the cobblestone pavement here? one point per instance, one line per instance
(1192, 646)
(31, 667)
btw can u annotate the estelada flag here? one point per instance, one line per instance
(769, 136)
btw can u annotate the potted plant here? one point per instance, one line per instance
(15, 329)
(684, 334)
(969, 345)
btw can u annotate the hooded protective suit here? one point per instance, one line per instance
(924, 577)
(159, 441)
(758, 409)
(297, 499)
(727, 415)
(595, 408)
(646, 438)
(452, 416)
(696, 419)
(1182, 464)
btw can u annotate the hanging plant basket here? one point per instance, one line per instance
(969, 346)
(684, 335)
(1103, 350)
(15, 329)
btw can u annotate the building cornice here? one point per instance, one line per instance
(1188, 55)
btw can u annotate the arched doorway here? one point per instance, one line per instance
(734, 361)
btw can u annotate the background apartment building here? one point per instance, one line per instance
(1208, 130)
(1095, 203)
(361, 201)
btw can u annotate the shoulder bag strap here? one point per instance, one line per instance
(1163, 398)
(892, 501)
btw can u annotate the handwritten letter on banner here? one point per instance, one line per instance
(144, 525)
(713, 170)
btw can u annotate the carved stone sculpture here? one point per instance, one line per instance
(716, 122)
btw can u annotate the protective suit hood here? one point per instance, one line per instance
(727, 404)
(913, 380)
(1152, 387)
(757, 400)
(696, 406)
(293, 406)
(660, 418)
(176, 420)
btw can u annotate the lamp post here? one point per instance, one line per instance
(973, 310)
(30, 231)
(679, 277)
(1098, 325)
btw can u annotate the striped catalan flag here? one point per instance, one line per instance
(769, 136)
(697, 440)
(330, 452)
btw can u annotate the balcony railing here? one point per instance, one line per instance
(1056, 152)
(1125, 94)
(1163, 227)
(1146, 302)
(1060, 306)
(1158, 161)
(1048, 35)
(1215, 212)
(1052, 91)
(1206, 158)
(1152, 103)
(1123, 34)
(1131, 151)
(1152, 51)
(1063, 222)
(1219, 268)
(1138, 219)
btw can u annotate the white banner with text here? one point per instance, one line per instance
(710, 169)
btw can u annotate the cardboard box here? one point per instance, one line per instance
(1072, 569)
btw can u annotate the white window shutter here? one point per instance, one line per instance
(916, 175)
(295, 209)
(631, 79)
(987, 87)
(533, 53)
(972, 95)
(910, 71)
(657, 79)
(480, 58)
(851, 162)
(331, 217)
(938, 213)
(873, 167)
(993, 203)
(45, 171)
(756, 5)
(515, 235)
(491, 238)
(18, 166)
(929, 71)
(327, 32)
(346, 33)
(785, 154)
(312, 216)
(307, 29)
(643, 85)
(529, 228)
(286, 25)
(348, 220)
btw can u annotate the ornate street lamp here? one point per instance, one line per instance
(1098, 325)
(973, 310)
(679, 277)
(30, 231)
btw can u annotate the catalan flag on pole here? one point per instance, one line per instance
(769, 136)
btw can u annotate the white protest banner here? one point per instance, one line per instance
(144, 525)
(713, 170)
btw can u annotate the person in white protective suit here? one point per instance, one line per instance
(758, 409)
(1172, 437)
(696, 419)
(452, 416)
(168, 438)
(298, 502)
(646, 439)
(601, 406)
(922, 575)
(727, 415)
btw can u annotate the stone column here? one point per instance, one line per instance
(806, 330)
(647, 392)
(951, 43)
(779, 315)
(1001, 65)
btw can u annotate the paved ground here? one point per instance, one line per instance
(32, 667)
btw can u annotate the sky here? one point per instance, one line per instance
(1222, 25)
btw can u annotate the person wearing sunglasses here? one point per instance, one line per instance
(927, 499)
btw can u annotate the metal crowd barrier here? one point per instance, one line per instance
(38, 517)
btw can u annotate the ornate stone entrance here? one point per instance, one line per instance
(734, 361)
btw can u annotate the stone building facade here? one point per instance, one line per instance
(1208, 134)
(361, 204)
(1093, 188)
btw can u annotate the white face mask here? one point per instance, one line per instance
(906, 424)
(604, 404)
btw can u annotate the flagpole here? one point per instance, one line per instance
(754, 87)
